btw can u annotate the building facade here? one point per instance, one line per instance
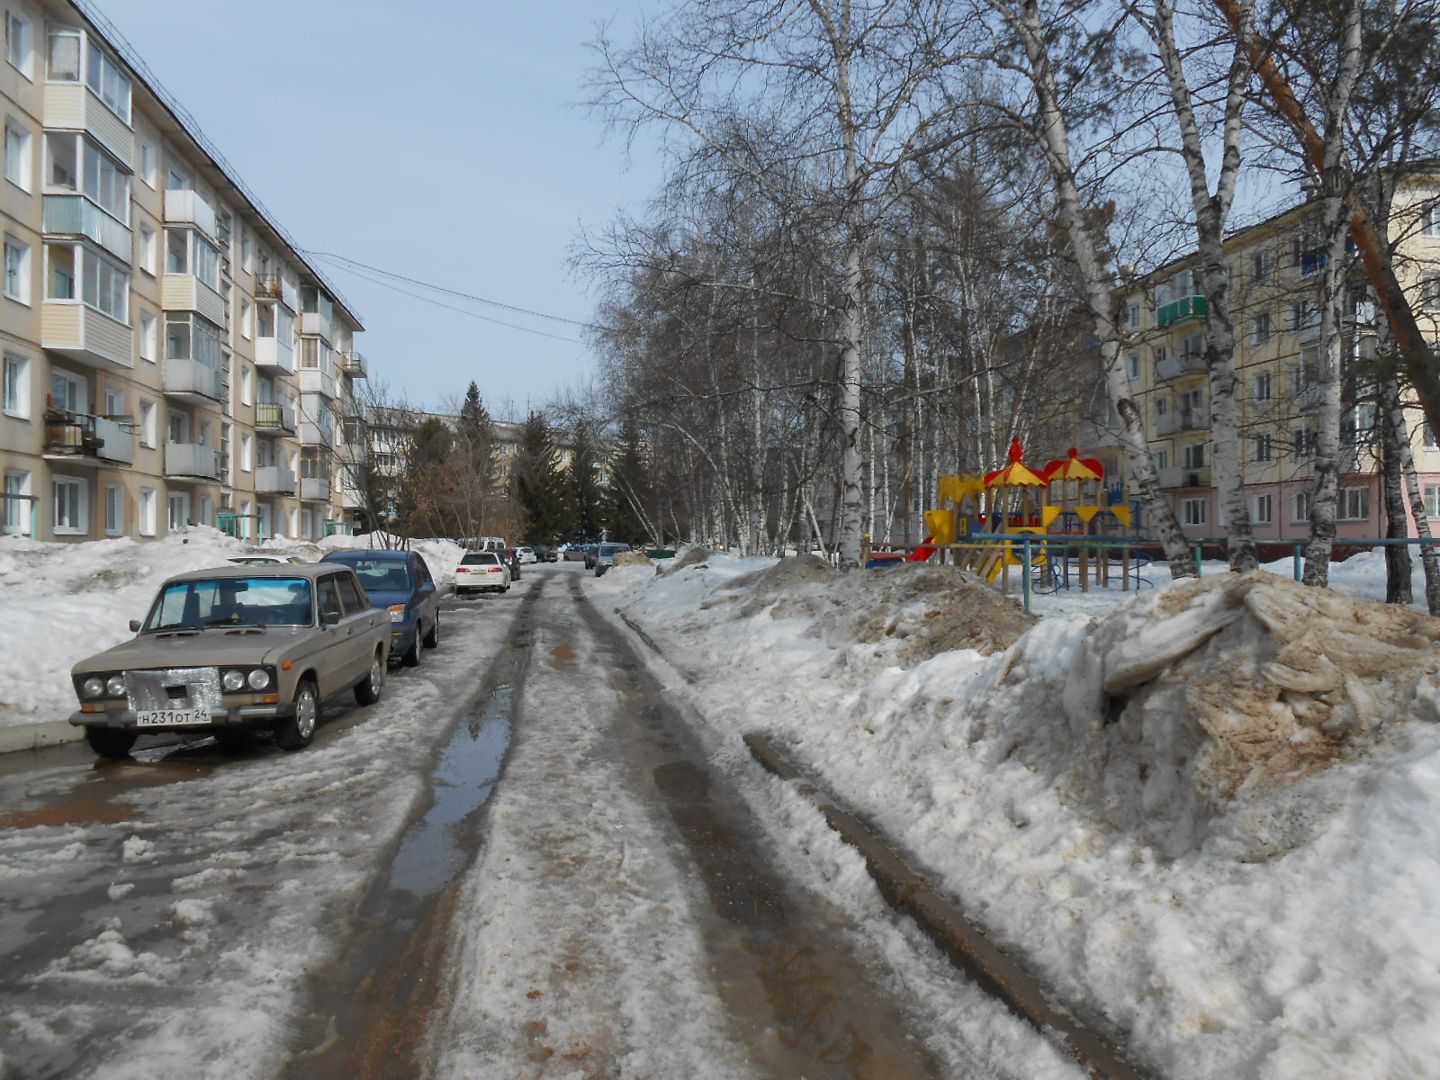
(1274, 273)
(169, 357)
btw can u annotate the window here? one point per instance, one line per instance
(1307, 371)
(114, 510)
(247, 386)
(1132, 317)
(107, 183)
(246, 452)
(189, 337)
(1162, 405)
(67, 392)
(18, 50)
(60, 278)
(179, 431)
(176, 180)
(306, 529)
(149, 335)
(17, 386)
(204, 515)
(1262, 387)
(247, 249)
(17, 509)
(1427, 436)
(1132, 365)
(62, 60)
(1193, 456)
(1300, 507)
(1263, 509)
(1264, 448)
(1303, 315)
(146, 512)
(1354, 504)
(107, 287)
(17, 270)
(108, 81)
(1260, 328)
(1432, 500)
(147, 163)
(1430, 218)
(68, 502)
(114, 403)
(1303, 442)
(17, 154)
(1260, 266)
(1192, 511)
(1161, 354)
(1162, 459)
(179, 506)
(353, 600)
(149, 250)
(148, 418)
(246, 316)
(177, 251)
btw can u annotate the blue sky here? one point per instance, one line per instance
(448, 145)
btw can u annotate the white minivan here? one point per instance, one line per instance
(481, 571)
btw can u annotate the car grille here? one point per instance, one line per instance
(173, 688)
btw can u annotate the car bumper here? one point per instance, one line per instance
(236, 716)
(401, 636)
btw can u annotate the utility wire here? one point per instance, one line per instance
(451, 307)
(347, 263)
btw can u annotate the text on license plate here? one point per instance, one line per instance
(169, 717)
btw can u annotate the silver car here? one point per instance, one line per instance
(233, 649)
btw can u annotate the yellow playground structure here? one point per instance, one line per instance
(982, 520)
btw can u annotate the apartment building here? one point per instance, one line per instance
(1275, 271)
(169, 357)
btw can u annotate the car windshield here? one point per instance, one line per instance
(382, 575)
(480, 558)
(258, 601)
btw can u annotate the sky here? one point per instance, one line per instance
(450, 146)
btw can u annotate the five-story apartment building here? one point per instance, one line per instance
(169, 356)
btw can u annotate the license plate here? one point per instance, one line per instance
(171, 717)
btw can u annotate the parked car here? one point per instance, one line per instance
(546, 554)
(511, 561)
(233, 649)
(605, 556)
(479, 571)
(267, 560)
(399, 583)
(574, 552)
(526, 555)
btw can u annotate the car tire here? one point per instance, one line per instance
(411, 656)
(295, 731)
(110, 742)
(369, 689)
(432, 639)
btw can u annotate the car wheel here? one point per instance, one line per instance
(110, 742)
(411, 658)
(296, 731)
(432, 639)
(367, 691)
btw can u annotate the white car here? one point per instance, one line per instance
(526, 555)
(265, 560)
(480, 571)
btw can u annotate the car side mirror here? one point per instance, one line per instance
(134, 626)
(329, 618)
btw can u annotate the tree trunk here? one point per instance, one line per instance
(1398, 588)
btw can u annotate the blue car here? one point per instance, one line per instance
(398, 582)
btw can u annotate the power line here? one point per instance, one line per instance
(451, 307)
(347, 263)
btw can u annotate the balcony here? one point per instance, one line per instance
(275, 287)
(274, 480)
(313, 433)
(192, 381)
(191, 461)
(1185, 477)
(352, 364)
(186, 292)
(1178, 366)
(75, 215)
(86, 440)
(1178, 420)
(274, 418)
(188, 208)
(317, 381)
(73, 106)
(85, 335)
(314, 489)
(315, 323)
(1181, 311)
(274, 354)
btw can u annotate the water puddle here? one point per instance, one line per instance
(70, 812)
(433, 851)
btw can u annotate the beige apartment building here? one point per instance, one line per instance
(169, 357)
(1275, 272)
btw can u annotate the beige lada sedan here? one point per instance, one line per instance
(233, 649)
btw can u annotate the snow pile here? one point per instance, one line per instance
(1212, 815)
(631, 558)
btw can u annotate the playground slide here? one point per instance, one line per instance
(923, 552)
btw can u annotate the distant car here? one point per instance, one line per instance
(592, 551)
(605, 556)
(399, 583)
(526, 555)
(480, 571)
(546, 554)
(511, 561)
(574, 552)
(232, 649)
(267, 560)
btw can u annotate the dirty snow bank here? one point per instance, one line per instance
(1214, 814)
(62, 602)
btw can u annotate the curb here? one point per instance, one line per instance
(968, 948)
(18, 737)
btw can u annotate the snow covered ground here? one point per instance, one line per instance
(62, 602)
(1211, 814)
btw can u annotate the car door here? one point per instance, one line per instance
(429, 595)
(335, 665)
(360, 619)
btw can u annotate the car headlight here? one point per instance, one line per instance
(115, 685)
(233, 680)
(258, 679)
(93, 687)
(397, 612)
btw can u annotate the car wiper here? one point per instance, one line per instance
(170, 631)
(230, 625)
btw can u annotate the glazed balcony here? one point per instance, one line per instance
(76, 216)
(1181, 311)
(317, 381)
(192, 381)
(186, 292)
(85, 335)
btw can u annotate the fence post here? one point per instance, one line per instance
(1299, 573)
(1028, 572)
(1199, 557)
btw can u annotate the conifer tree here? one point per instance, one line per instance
(627, 516)
(539, 484)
